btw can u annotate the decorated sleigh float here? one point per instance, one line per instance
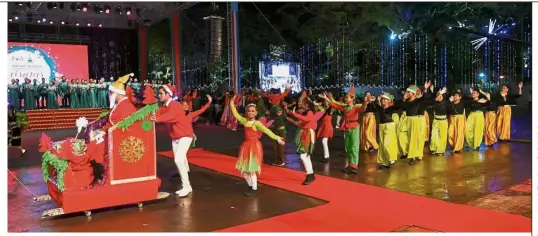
(82, 176)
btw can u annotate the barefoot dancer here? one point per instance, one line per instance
(251, 151)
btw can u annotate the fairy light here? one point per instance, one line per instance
(393, 63)
(445, 67)
(416, 60)
(435, 68)
(382, 62)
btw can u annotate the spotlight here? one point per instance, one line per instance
(85, 8)
(63, 22)
(481, 74)
(51, 22)
(100, 25)
(100, 10)
(502, 76)
(10, 20)
(128, 11)
(107, 9)
(19, 3)
(514, 23)
(78, 7)
(89, 24)
(38, 21)
(450, 27)
(77, 24)
(16, 17)
(54, 5)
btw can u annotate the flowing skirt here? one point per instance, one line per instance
(403, 140)
(388, 145)
(250, 157)
(305, 141)
(368, 132)
(427, 127)
(474, 130)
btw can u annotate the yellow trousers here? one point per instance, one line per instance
(490, 136)
(403, 141)
(415, 137)
(456, 132)
(422, 139)
(368, 132)
(504, 116)
(396, 120)
(388, 144)
(428, 128)
(439, 135)
(474, 129)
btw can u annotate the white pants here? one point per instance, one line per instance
(338, 118)
(307, 163)
(180, 148)
(325, 143)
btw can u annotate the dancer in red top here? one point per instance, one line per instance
(308, 122)
(274, 98)
(325, 131)
(251, 152)
(179, 127)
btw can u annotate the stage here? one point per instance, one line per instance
(492, 183)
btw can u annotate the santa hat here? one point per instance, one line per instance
(351, 91)
(169, 89)
(414, 89)
(119, 85)
(388, 96)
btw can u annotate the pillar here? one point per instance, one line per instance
(235, 47)
(175, 34)
(143, 53)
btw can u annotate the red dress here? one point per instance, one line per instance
(251, 152)
(326, 128)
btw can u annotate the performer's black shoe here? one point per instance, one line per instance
(412, 161)
(351, 170)
(403, 157)
(250, 192)
(309, 179)
(174, 177)
(324, 160)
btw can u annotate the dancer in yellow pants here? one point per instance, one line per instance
(368, 137)
(456, 122)
(439, 131)
(504, 111)
(474, 130)
(388, 148)
(490, 119)
(413, 99)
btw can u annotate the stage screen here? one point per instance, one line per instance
(280, 75)
(36, 61)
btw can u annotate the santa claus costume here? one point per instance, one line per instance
(179, 127)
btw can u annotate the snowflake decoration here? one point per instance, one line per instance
(477, 43)
(132, 149)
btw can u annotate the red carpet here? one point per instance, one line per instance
(355, 207)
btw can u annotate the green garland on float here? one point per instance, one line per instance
(138, 115)
(60, 165)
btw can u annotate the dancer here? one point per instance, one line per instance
(388, 145)
(101, 93)
(439, 133)
(456, 122)
(504, 111)
(84, 97)
(180, 130)
(414, 127)
(28, 91)
(325, 131)
(14, 130)
(193, 116)
(251, 151)
(368, 132)
(275, 98)
(350, 126)
(65, 94)
(73, 94)
(52, 96)
(14, 92)
(93, 94)
(279, 128)
(306, 139)
(490, 134)
(42, 89)
(474, 129)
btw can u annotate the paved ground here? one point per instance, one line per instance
(491, 178)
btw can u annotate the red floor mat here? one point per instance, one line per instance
(355, 207)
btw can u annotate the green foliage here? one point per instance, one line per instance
(59, 165)
(138, 115)
(22, 119)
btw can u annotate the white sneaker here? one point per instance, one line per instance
(185, 191)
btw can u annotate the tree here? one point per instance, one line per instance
(45, 143)
(149, 95)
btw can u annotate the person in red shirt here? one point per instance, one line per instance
(179, 127)
(305, 141)
(351, 127)
(275, 98)
(325, 131)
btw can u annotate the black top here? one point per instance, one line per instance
(502, 101)
(465, 105)
(417, 106)
(385, 114)
(370, 107)
(441, 108)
